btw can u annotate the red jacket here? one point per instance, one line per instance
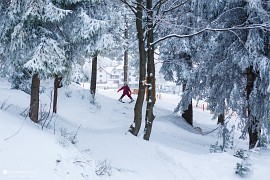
(125, 89)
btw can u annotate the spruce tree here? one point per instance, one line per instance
(231, 58)
(35, 48)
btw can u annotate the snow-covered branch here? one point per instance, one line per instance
(174, 6)
(132, 8)
(253, 26)
(159, 3)
(229, 10)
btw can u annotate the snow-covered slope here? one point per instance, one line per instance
(102, 147)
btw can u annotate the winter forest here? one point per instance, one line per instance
(57, 123)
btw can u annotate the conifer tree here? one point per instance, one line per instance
(89, 32)
(232, 48)
(34, 45)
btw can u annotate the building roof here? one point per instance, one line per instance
(108, 69)
(119, 67)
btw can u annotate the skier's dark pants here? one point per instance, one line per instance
(126, 93)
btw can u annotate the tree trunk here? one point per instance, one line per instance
(126, 53)
(188, 113)
(254, 131)
(135, 127)
(149, 115)
(93, 77)
(221, 119)
(57, 82)
(253, 123)
(34, 101)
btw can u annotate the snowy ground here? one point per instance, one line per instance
(101, 145)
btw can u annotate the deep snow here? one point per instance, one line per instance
(176, 151)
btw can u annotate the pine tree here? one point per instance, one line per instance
(227, 57)
(34, 45)
(89, 32)
(52, 38)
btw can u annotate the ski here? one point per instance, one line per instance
(126, 102)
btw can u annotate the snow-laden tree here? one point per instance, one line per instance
(52, 38)
(148, 16)
(105, 39)
(89, 32)
(176, 53)
(236, 80)
(256, 64)
(35, 46)
(3, 9)
(86, 32)
(229, 41)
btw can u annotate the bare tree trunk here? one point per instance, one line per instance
(254, 128)
(57, 82)
(93, 77)
(221, 119)
(188, 113)
(149, 116)
(126, 53)
(34, 101)
(135, 127)
(254, 132)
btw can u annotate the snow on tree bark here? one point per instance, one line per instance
(149, 115)
(135, 127)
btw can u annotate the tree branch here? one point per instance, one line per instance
(158, 5)
(132, 8)
(165, 11)
(222, 14)
(174, 7)
(253, 26)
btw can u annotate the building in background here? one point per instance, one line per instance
(113, 77)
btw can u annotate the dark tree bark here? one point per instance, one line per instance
(34, 99)
(149, 116)
(221, 119)
(126, 53)
(188, 113)
(93, 77)
(138, 11)
(254, 131)
(254, 128)
(135, 127)
(57, 84)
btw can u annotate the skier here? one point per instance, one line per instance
(126, 91)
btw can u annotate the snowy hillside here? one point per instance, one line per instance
(86, 141)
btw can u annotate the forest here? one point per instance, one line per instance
(218, 50)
